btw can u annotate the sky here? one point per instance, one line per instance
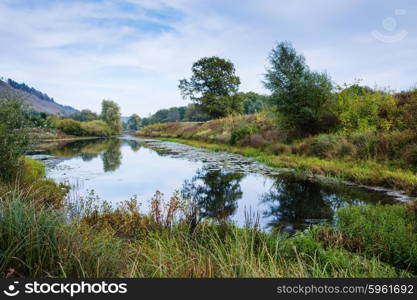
(135, 51)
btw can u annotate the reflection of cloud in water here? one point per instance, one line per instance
(222, 185)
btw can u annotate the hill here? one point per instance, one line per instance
(37, 100)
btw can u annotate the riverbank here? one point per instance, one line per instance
(365, 158)
(87, 238)
(123, 242)
(363, 173)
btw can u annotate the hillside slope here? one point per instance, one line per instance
(35, 102)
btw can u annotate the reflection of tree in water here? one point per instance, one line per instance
(112, 157)
(213, 193)
(134, 145)
(294, 203)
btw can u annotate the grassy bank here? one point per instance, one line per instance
(368, 158)
(38, 240)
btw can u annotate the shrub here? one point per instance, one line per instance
(70, 126)
(15, 138)
(407, 110)
(46, 191)
(387, 232)
(278, 148)
(366, 143)
(242, 131)
(324, 146)
(410, 155)
(31, 170)
(360, 108)
(95, 128)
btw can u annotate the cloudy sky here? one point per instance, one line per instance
(135, 51)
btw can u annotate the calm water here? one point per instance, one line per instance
(223, 185)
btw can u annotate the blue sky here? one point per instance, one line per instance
(135, 51)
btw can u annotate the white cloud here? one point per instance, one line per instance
(82, 52)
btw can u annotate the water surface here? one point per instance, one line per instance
(224, 186)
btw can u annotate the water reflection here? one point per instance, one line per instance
(112, 157)
(108, 150)
(217, 186)
(214, 192)
(292, 205)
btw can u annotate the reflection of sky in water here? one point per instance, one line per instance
(141, 171)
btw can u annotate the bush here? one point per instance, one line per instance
(70, 126)
(387, 232)
(407, 110)
(15, 138)
(241, 132)
(410, 155)
(95, 128)
(90, 128)
(360, 109)
(46, 191)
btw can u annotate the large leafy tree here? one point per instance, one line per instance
(298, 93)
(134, 122)
(15, 137)
(213, 86)
(110, 113)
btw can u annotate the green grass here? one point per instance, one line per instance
(386, 232)
(360, 172)
(38, 241)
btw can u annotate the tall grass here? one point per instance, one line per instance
(39, 240)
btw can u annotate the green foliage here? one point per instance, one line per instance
(110, 113)
(91, 128)
(84, 115)
(406, 114)
(70, 126)
(213, 86)
(133, 123)
(95, 128)
(387, 232)
(241, 132)
(360, 108)
(14, 136)
(298, 93)
(31, 170)
(253, 102)
(38, 241)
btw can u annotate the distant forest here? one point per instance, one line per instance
(25, 88)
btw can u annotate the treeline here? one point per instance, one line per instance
(252, 103)
(302, 102)
(25, 88)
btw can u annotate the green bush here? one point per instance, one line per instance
(31, 177)
(31, 170)
(324, 146)
(95, 128)
(241, 132)
(410, 155)
(387, 232)
(90, 128)
(70, 126)
(15, 137)
(360, 108)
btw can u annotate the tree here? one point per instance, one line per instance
(85, 115)
(134, 122)
(298, 93)
(253, 102)
(110, 113)
(14, 135)
(213, 86)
